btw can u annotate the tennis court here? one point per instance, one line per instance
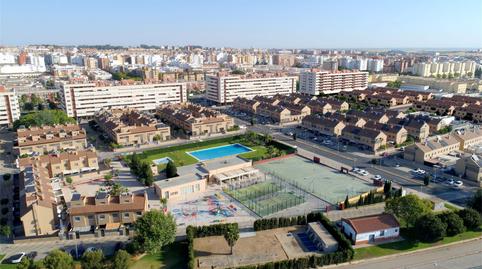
(325, 183)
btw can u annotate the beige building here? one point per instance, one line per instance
(315, 81)
(196, 120)
(105, 211)
(284, 112)
(430, 149)
(129, 126)
(327, 126)
(396, 134)
(372, 139)
(463, 69)
(246, 105)
(49, 138)
(224, 88)
(64, 163)
(287, 60)
(470, 167)
(9, 107)
(38, 211)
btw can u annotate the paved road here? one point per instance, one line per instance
(460, 256)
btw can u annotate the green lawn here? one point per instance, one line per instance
(173, 257)
(409, 245)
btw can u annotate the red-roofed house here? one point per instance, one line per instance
(369, 229)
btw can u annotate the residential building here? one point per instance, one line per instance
(396, 134)
(439, 107)
(64, 163)
(316, 82)
(323, 125)
(224, 88)
(105, 211)
(371, 229)
(468, 137)
(375, 65)
(469, 166)
(284, 112)
(246, 105)
(287, 60)
(130, 126)
(430, 149)
(46, 139)
(38, 212)
(463, 68)
(84, 100)
(471, 112)
(195, 120)
(9, 107)
(418, 129)
(371, 139)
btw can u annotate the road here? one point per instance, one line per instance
(460, 256)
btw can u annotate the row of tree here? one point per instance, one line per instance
(142, 169)
(43, 117)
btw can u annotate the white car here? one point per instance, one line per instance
(356, 169)
(91, 249)
(458, 183)
(17, 258)
(377, 177)
(450, 182)
(365, 173)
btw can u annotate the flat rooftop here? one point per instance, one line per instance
(177, 181)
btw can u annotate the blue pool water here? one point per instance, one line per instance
(218, 152)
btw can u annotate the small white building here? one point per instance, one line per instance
(370, 229)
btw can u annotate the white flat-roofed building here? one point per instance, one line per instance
(315, 82)
(9, 107)
(224, 88)
(84, 100)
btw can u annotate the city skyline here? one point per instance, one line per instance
(270, 24)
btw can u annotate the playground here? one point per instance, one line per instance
(268, 197)
(325, 183)
(212, 207)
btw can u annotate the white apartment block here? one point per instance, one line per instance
(318, 82)
(466, 68)
(83, 100)
(9, 108)
(375, 65)
(224, 89)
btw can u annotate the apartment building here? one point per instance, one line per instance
(9, 107)
(195, 120)
(469, 166)
(463, 68)
(316, 82)
(63, 163)
(38, 206)
(224, 88)
(323, 125)
(41, 140)
(105, 211)
(130, 126)
(371, 139)
(84, 100)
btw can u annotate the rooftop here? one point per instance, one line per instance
(372, 223)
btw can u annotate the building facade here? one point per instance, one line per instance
(371, 229)
(9, 107)
(84, 100)
(316, 82)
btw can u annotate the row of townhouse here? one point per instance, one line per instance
(429, 150)
(129, 126)
(387, 97)
(462, 107)
(195, 120)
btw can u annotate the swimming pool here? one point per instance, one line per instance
(218, 152)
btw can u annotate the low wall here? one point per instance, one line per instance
(274, 159)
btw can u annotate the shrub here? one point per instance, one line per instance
(471, 218)
(430, 228)
(6, 177)
(455, 224)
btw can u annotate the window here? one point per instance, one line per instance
(90, 217)
(101, 217)
(139, 213)
(76, 219)
(115, 215)
(126, 215)
(382, 233)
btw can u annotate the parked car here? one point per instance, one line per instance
(17, 258)
(458, 183)
(450, 182)
(377, 177)
(364, 173)
(89, 249)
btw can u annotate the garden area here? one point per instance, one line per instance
(263, 147)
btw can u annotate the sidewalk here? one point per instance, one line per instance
(366, 210)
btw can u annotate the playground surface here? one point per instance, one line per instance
(209, 208)
(323, 182)
(264, 246)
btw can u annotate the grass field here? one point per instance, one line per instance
(172, 257)
(180, 158)
(409, 245)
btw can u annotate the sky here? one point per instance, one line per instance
(245, 23)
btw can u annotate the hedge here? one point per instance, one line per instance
(344, 253)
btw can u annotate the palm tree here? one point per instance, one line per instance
(232, 235)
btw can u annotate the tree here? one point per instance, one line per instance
(68, 180)
(426, 180)
(117, 189)
(253, 121)
(394, 84)
(93, 260)
(6, 177)
(430, 228)
(121, 260)
(231, 235)
(387, 187)
(108, 177)
(155, 230)
(43, 117)
(267, 139)
(156, 138)
(107, 161)
(294, 136)
(171, 170)
(476, 201)
(58, 259)
(471, 218)
(5, 230)
(347, 202)
(26, 263)
(455, 224)
(408, 209)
